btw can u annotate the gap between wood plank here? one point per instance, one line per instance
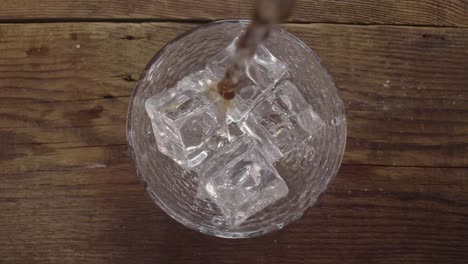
(194, 21)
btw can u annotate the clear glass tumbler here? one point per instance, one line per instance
(307, 172)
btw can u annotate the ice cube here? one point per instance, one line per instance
(262, 72)
(251, 127)
(183, 121)
(200, 81)
(241, 181)
(282, 121)
(290, 96)
(222, 139)
(222, 60)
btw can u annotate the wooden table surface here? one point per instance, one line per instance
(69, 193)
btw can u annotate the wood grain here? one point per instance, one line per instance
(66, 86)
(391, 12)
(69, 194)
(101, 214)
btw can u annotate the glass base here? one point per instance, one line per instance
(307, 171)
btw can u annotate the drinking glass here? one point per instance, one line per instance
(308, 171)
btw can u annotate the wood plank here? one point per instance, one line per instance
(402, 77)
(101, 214)
(401, 12)
(65, 89)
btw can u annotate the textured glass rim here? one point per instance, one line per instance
(160, 203)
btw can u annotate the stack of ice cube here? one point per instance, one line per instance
(268, 119)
